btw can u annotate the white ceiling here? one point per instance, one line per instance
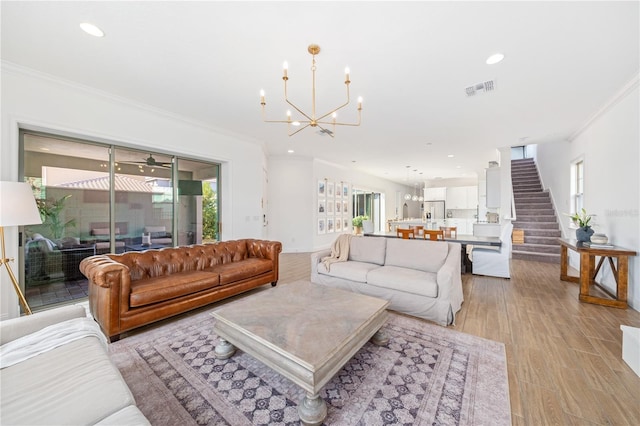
(410, 61)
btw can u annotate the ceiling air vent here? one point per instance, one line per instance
(487, 86)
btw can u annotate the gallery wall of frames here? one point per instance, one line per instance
(334, 212)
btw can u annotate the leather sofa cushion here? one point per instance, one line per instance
(426, 256)
(166, 287)
(238, 271)
(370, 250)
(404, 279)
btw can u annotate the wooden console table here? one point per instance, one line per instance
(589, 271)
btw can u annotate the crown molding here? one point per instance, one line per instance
(621, 94)
(11, 67)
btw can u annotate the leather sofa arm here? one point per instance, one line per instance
(103, 271)
(264, 249)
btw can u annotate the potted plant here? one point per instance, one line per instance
(357, 223)
(582, 220)
(50, 212)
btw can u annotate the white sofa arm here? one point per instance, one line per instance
(448, 277)
(17, 327)
(316, 258)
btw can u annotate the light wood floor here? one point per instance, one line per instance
(563, 356)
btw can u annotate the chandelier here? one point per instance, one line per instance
(312, 119)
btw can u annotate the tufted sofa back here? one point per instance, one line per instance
(171, 260)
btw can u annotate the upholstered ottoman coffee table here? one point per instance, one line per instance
(303, 331)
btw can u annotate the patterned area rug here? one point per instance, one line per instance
(426, 374)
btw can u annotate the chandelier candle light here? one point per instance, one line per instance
(312, 119)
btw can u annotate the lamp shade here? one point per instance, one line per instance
(18, 205)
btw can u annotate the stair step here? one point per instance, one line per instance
(541, 240)
(533, 205)
(539, 194)
(526, 190)
(535, 225)
(535, 208)
(536, 218)
(522, 174)
(546, 233)
(526, 215)
(537, 248)
(536, 257)
(520, 185)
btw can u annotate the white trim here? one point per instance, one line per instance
(621, 94)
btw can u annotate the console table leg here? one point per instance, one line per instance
(224, 349)
(312, 409)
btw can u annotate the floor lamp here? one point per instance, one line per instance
(17, 207)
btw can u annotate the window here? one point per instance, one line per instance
(577, 185)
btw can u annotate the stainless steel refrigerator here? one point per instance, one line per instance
(433, 210)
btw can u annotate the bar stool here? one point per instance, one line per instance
(450, 231)
(433, 234)
(405, 234)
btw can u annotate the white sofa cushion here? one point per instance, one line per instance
(404, 279)
(353, 271)
(427, 256)
(368, 249)
(71, 385)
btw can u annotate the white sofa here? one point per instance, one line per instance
(72, 384)
(494, 262)
(418, 277)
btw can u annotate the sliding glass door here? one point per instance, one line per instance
(96, 198)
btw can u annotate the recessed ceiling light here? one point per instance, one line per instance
(450, 155)
(290, 151)
(495, 58)
(92, 29)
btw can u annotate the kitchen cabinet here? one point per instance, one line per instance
(463, 226)
(462, 197)
(435, 194)
(493, 187)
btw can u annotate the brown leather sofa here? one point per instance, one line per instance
(132, 289)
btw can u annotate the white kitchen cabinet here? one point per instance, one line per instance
(462, 225)
(435, 194)
(493, 187)
(462, 197)
(472, 197)
(456, 198)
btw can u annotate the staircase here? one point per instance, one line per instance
(534, 215)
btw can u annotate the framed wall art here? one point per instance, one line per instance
(322, 188)
(322, 206)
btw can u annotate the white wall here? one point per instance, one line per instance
(38, 101)
(610, 147)
(293, 199)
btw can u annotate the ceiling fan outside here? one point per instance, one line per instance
(151, 162)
